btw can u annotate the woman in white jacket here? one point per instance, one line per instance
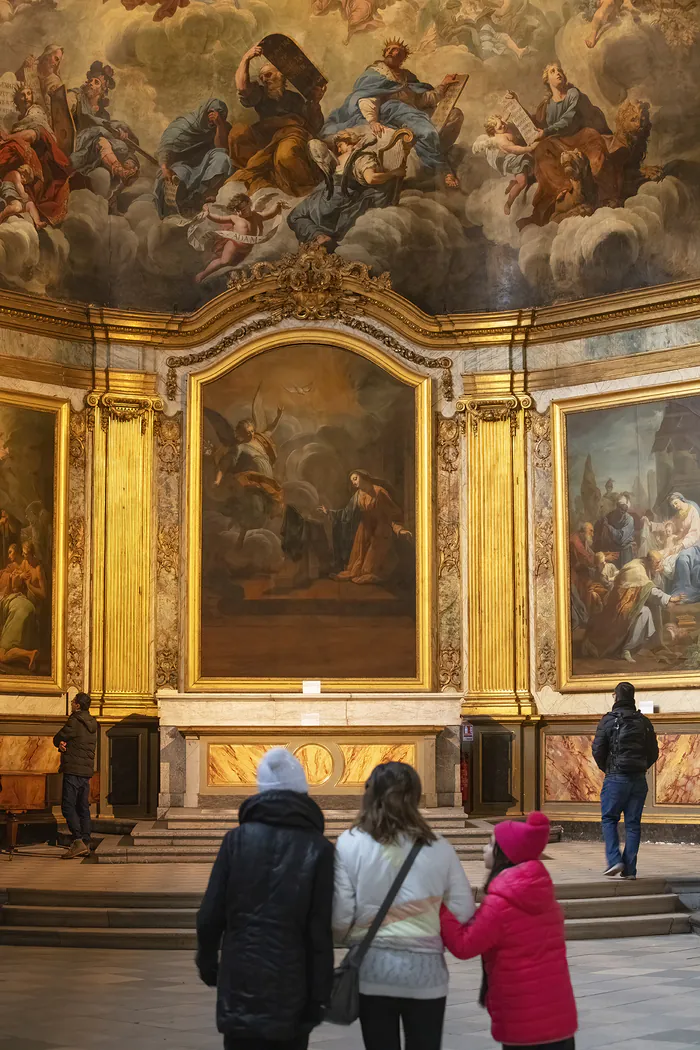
(403, 977)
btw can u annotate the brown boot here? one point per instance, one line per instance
(76, 849)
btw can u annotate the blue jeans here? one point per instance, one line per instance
(623, 793)
(75, 806)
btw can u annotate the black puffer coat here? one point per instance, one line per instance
(80, 736)
(268, 906)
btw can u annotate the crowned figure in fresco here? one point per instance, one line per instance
(387, 95)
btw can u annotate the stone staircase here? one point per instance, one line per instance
(195, 835)
(101, 919)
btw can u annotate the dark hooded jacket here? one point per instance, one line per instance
(625, 741)
(80, 735)
(264, 926)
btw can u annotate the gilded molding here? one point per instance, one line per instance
(444, 364)
(624, 310)
(122, 408)
(496, 410)
(310, 285)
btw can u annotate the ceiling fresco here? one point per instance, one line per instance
(487, 154)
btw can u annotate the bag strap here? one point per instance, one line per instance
(381, 915)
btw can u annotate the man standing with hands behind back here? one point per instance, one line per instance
(77, 742)
(625, 747)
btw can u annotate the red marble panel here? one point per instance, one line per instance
(678, 770)
(571, 775)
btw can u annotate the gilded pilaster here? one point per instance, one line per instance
(495, 408)
(122, 426)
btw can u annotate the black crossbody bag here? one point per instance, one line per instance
(345, 999)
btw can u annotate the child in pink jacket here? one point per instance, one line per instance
(519, 932)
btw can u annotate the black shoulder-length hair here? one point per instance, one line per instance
(390, 803)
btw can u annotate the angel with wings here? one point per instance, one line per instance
(507, 152)
(242, 459)
(359, 174)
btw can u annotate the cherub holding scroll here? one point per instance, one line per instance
(507, 152)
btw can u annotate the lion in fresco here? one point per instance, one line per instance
(629, 145)
(581, 195)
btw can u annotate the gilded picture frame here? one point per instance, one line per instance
(562, 412)
(421, 386)
(55, 681)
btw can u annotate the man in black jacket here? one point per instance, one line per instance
(625, 747)
(264, 926)
(77, 742)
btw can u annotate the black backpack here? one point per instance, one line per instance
(629, 743)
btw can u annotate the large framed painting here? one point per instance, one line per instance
(309, 519)
(33, 479)
(627, 519)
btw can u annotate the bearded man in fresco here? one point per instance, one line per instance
(31, 146)
(388, 96)
(273, 151)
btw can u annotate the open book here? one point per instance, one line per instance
(513, 112)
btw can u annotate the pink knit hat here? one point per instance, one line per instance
(521, 841)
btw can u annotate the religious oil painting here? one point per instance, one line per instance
(487, 154)
(309, 520)
(628, 538)
(33, 447)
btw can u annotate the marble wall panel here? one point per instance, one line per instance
(21, 793)
(234, 763)
(571, 775)
(317, 762)
(678, 770)
(28, 754)
(360, 759)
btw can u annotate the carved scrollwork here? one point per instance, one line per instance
(243, 331)
(74, 666)
(544, 548)
(444, 364)
(166, 668)
(169, 442)
(541, 438)
(497, 410)
(122, 408)
(546, 665)
(77, 436)
(311, 285)
(448, 547)
(168, 556)
(450, 668)
(449, 433)
(76, 541)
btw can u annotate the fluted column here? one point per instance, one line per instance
(121, 667)
(498, 660)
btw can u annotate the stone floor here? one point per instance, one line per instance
(638, 994)
(40, 868)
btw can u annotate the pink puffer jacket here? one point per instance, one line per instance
(519, 930)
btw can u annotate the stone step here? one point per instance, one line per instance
(143, 937)
(634, 904)
(610, 888)
(163, 900)
(627, 926)
(101, 937)
(99, 917)
(199, 837)
(204, 853)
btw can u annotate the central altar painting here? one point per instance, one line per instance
(309, 538)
